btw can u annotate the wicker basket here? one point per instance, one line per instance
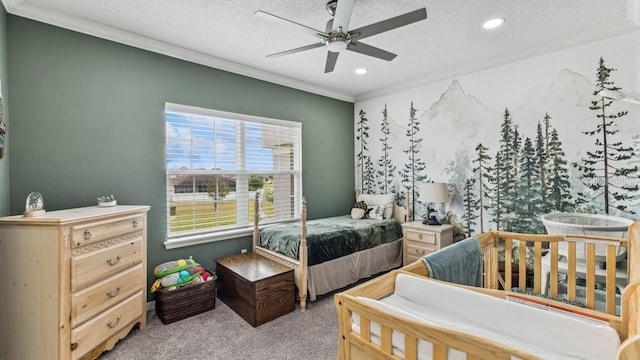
(186, 301)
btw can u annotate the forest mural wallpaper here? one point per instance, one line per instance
(513, 142)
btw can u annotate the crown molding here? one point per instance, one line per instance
(18, 8)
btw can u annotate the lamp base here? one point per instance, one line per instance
(431, 221)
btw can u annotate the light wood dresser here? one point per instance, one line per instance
(419, 239)
(74, 281)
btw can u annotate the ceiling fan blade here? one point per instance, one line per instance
(291, 24)
(389, 24)
(296, 50)
(343, 16)
(332, 57)
(365, 49)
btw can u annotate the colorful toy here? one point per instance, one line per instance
(171, 267)
(156, 285)
(181, 278)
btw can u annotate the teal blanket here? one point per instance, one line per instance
(460, 263)
(330, 238)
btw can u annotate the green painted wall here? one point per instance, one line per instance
(87, 120)
(4, 162)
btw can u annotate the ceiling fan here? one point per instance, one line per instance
(337, 37)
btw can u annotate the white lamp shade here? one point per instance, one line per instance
(434, 193)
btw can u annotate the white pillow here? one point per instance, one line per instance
(378, 211)
(379, 199)
(357, 213)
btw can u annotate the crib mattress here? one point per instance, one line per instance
(542, 333)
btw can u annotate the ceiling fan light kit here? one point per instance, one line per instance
(335, 39)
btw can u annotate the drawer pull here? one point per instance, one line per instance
(113, 262)
(87, 234)
(135, 223)
(112, 324)
(420, 236)
(113, 293)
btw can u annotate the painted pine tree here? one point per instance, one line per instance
(471, 205)
(363, 159)
(559, 188)
(482, 172)
(609, 159)
(503, 211)
(386, 168)
(528, 202)
(370, 177)
(496, 211)
(541, 151)
(413, 171)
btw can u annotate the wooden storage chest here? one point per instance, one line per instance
(255, 287)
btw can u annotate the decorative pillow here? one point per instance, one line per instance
(379, 199)
(361, 205)
(357, 213)
(378, 212)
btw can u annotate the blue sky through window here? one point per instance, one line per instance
(198, 142)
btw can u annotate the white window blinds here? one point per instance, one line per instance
(218, 162)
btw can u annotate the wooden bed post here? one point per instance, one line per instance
(631, 294)
(303, 256)
(256, 220)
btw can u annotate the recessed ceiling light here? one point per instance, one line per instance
(361, 71)
(493, 23)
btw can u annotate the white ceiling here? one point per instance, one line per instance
(225, 34)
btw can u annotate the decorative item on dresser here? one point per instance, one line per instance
(75, 281)
(419, 239)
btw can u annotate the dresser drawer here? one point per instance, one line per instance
(412, 259)
(93, 266)
(90, 334)
(85, 234)
(87, 303)
(427, 238)
(418, 249)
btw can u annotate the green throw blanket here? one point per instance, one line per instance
(330, 238)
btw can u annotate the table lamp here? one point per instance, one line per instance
(433, 193)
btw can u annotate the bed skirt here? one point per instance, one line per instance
(337, 273)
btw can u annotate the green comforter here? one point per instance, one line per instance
(330, 238)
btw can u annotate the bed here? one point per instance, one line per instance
(331, 253)
(385, 318)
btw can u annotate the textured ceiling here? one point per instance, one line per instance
(226, 34)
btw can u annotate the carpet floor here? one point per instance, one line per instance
(222, 334)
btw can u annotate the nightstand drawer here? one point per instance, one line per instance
(418, 251)
(412, 259)
(427, 238)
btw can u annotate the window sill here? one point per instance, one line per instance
(188, 240)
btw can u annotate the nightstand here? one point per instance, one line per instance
(419, 239)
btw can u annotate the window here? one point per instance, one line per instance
(218, 163)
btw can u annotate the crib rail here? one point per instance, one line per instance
(593, 268)
(367, 344)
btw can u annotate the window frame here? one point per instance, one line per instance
(242, 176)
